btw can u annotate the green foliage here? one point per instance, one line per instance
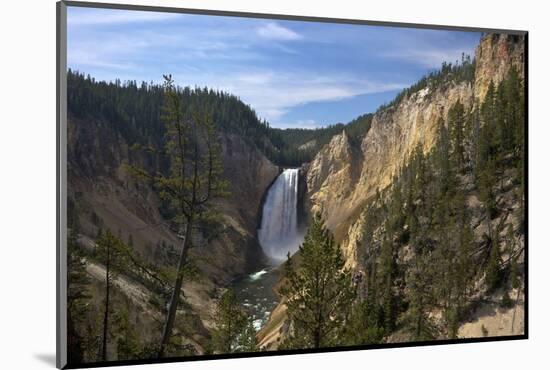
(247, 339)
(501, 140)
(300, 145)
(233, 332)
(193, 180)
(134, 112)
(424, 216)
(319, 292)
(113, 254)
(512, 257)
(506, 301)
(419, 280)
(129, 345)
(493, 267)
(452, 320)
(364, 325)
(77, 299)
(456, 122)
(448, 74)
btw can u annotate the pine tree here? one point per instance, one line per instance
(129, 345)
(230, 324)
(442, 159)
(486, 186)
(457, 121)
(319, 292)
(493, 266)
(419, 282)
(510, 240)
(78, 297)
(363, 326)
(485, 145)
(195, 179)
(247, 339)
(388, 276)
(465, 262)
(112, 253)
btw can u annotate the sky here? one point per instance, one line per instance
(292, 73)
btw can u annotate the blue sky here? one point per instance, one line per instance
(293, 73)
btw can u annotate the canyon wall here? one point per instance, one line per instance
(342, 178)
(102, 194)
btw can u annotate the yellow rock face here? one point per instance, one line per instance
(341, 178)
(495, 55)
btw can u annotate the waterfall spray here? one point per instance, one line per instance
(279, 233)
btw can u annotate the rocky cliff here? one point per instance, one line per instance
(342, 178)
(495, 55)
(102, 194)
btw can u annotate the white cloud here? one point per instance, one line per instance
(301, 123)
(84, 58)
(193, 55)
(427, 48)
(430, 58)
(114, 52)
(126, 48)
(272, 94)
(273, 31)
(102, 17)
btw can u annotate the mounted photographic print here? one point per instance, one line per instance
(234, 184)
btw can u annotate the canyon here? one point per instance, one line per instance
(265, 214)
(343, 178)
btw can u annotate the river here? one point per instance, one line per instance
(279, 235)
(255, 292)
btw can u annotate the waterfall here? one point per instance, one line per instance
(279, 233)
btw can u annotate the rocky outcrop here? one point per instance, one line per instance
(341, 180)
(332, 178)
(102, 194)
(495, 55)
(101, 191)
(249, 174)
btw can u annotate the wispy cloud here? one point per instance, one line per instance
(294, 74)
(430, 58)
(301, 123)
(102, 17)
(428, 48)
(83, 57)
(274, 93)
(274, 31)
(115, 51)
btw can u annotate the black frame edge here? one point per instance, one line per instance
(297, 352)
(526, 180)
(61, 184)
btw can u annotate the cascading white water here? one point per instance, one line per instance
(279, 233)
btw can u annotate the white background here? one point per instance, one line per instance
(27, 182)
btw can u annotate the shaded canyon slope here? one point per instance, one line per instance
(101, 194)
